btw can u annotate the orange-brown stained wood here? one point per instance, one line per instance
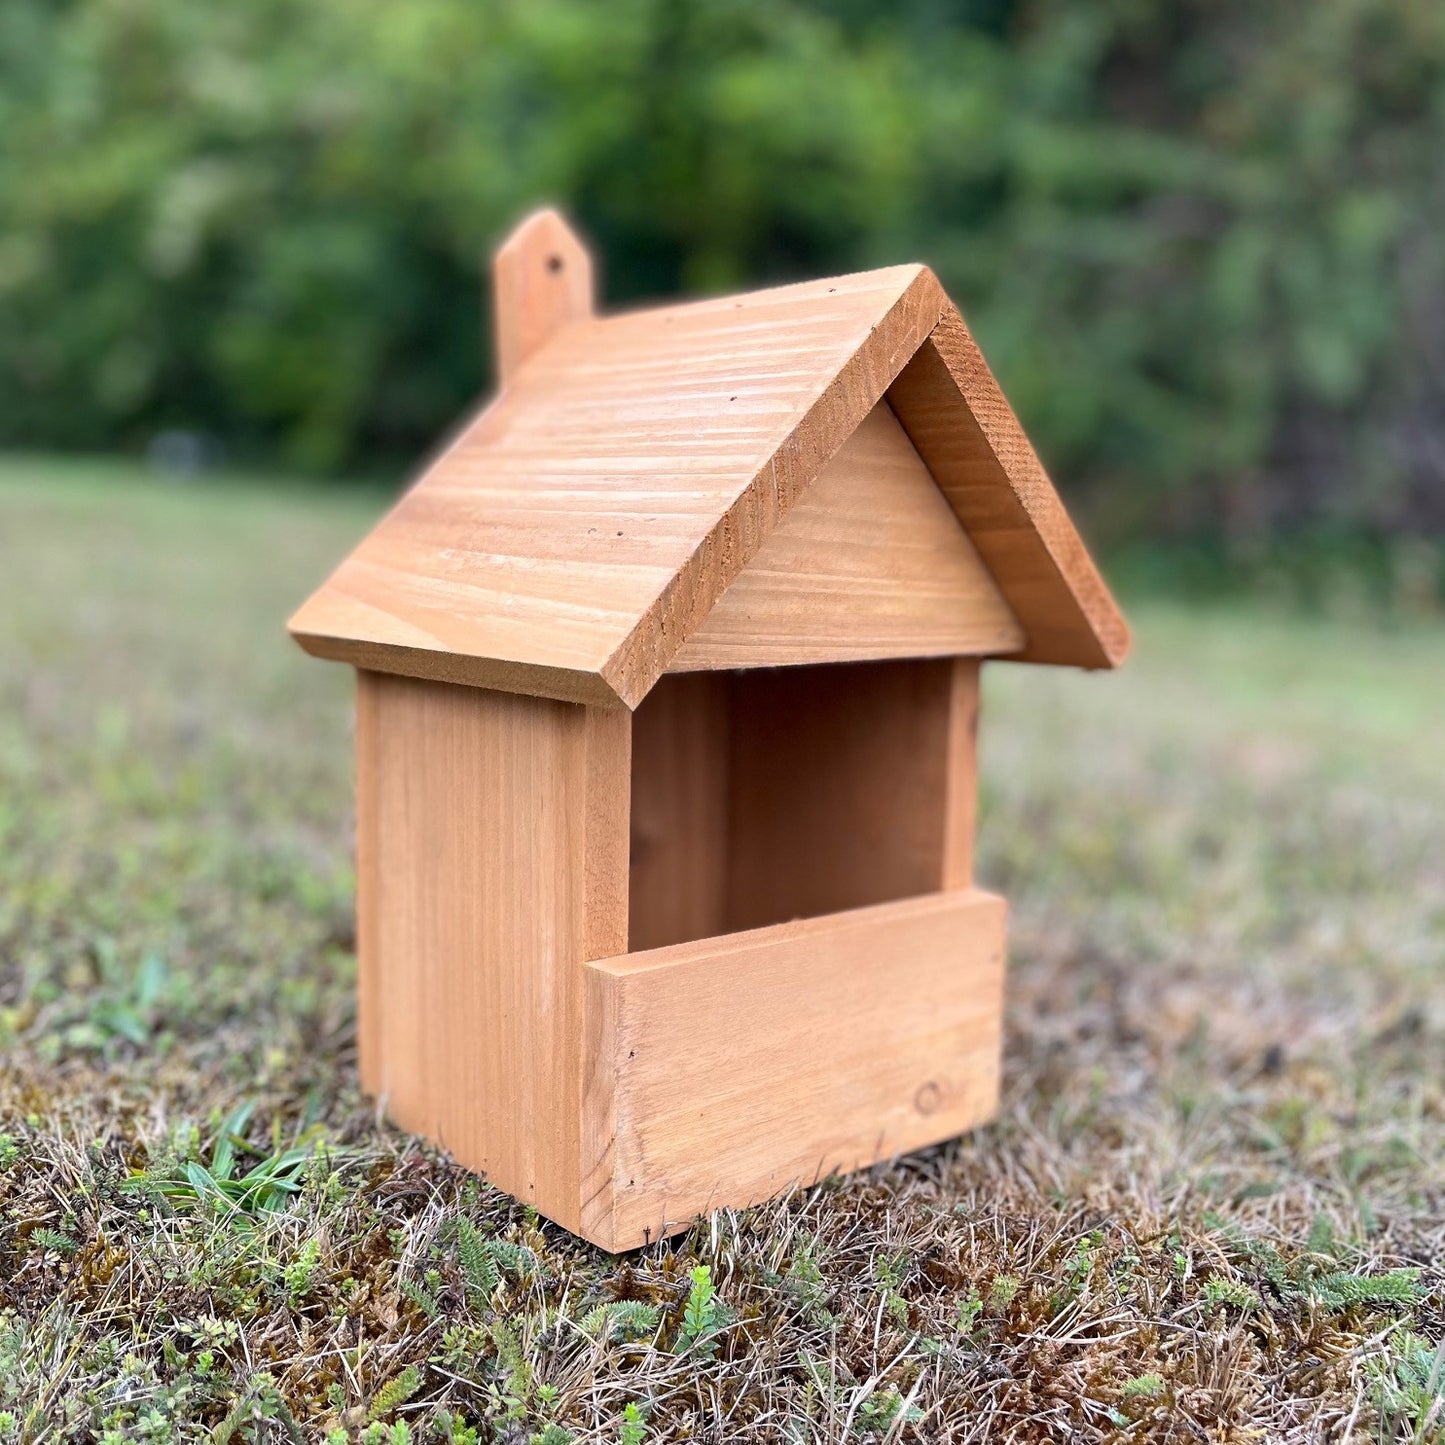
(680, 803)
(960, 791)
(492, 862)
(541, 280)
(871, 562)
(583, 526)
(743, 481)
(954, 413)
(725, 1070)
(838, 788)
(581, 529)
(786, 793)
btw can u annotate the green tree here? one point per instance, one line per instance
(1198, 241)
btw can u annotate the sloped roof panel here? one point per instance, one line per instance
(582, 526)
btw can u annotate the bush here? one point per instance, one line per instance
(1197, 241)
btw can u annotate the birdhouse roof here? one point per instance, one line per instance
(580, 530)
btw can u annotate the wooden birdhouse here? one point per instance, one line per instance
(667, 690)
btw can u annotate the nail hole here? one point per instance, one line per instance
(554, 264)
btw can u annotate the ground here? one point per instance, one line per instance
(1213, 1206)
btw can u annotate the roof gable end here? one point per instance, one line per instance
(869, 563)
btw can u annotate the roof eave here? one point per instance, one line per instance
(438, 665)
(966, 432)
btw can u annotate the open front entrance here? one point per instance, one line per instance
(781, 793)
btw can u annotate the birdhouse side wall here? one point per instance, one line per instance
(491, 864)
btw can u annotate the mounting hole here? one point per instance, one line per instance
(554, 263)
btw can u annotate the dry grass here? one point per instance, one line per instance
(1214, 1207)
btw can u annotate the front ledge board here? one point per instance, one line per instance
(724, 1070)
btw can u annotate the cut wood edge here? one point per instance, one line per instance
(964, 429)
(437, 665)
(683, 604)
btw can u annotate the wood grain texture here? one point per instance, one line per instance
(581, 528)
(492, 837)
(541, 280)
(680, 804)
(870, 562)
(725, 1070)
(685, 511)
(960, 792)
(952, 409)
(786, 793)
(370, 983)
(838, 785)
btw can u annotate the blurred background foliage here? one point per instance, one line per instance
(1199, 241)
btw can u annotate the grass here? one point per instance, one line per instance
(1213, 1206)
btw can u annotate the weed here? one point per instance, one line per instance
(395, 1392)
(970, 1307)
(485, 1261)
(633, 1429)
(397, 1433)
(54, 1239)
(1409, 1389)
(703, 1314)
(621, 1320)
(1307, 1277)
(268, 1186)
(299, 1272)
(122, 1007)
(423, 1296)
(805, 1283)
(478, 1263)
(878, 1414)
(1220, 1292)
(1003, 1291)
(1340, 1290)
(890, 1270)
(1144, 1387)
(453, 1429)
